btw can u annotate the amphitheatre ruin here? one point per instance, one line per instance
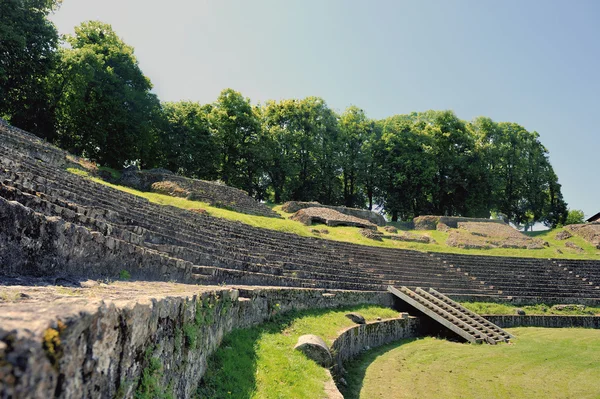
(146, 284)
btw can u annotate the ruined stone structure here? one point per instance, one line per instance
(430, 222)
(157, 341)
(61, 223)
(330, 217)
(109, 340)
(373, 217)
(219, 195)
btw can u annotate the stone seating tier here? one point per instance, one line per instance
(160, 242)
(36, 197)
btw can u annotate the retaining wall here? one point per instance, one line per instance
(363, 337)
(550, 321)
(157, 346)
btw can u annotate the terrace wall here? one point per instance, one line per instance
(549, 321)
(158, 346)
(359, 338)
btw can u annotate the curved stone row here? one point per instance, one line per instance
(164, 243)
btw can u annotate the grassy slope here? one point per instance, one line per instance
(541, 363)
(260, 362)
(540, 309)
(352, 235)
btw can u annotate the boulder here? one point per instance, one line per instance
(573, 246)
(520, 312)
(371, 234)
(355, 317)
(315, 348)
(569, 307)
(563, 235)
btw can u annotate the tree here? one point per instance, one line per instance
(105, 109)
(356, 130)
(406, 168)
(575, 216)
(303, 160)
(28, 42)
(236, 128)
(459, 168)
(186, 143)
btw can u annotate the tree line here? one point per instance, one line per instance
(86, 93)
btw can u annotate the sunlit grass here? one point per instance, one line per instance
(352, 234)
(541, 363)
(261, 362)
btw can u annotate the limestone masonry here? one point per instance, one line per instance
(69, 328)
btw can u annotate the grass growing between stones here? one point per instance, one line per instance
(352, 234)
(261, 362)
(540, 309)
(541, 363)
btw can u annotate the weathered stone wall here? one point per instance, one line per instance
(550, 321)
(430, 222)
(373, 217)
(155, 346)
(37, 245)
(330, 217)
(357, 339)
(219, 195)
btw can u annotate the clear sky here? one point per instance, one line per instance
(536, 63)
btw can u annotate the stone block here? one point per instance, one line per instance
(356, 318)
(315, 348)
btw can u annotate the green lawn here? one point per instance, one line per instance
(352, 234)
(541, 363)
(261, 362)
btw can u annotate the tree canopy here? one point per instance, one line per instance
(91, 97)
(105, 108)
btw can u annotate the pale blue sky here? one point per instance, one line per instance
(536, 63)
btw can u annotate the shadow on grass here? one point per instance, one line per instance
(357, 368)
(231, 371)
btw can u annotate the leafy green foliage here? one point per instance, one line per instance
(124, 275)
(28, 42)
(186, 144)
(105, 109)
(303, 161)
(575, 216)
(236, 127)
(92, 98)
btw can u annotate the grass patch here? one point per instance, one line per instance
(542, 363)
(540, 309)
(352, 234)
(260, 362)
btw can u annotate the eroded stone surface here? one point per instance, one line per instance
(373, 217)
(330, 217)
(220, 195)
(98, 341)
(356, 318)
(315, 348)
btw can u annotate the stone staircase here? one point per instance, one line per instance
(467, 324)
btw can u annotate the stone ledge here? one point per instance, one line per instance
(100, 341)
